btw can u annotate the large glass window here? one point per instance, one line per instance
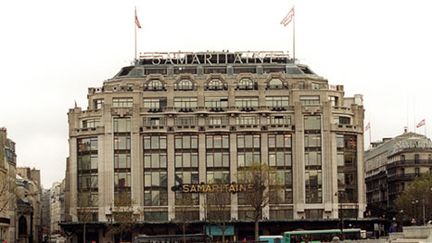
(122, 125)
(186, 142)
(312, 123)
(313, 186)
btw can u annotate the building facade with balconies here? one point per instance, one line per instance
(7, 187)
(390, 166)
(199, 118)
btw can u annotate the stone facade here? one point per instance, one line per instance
(390, 165)
(7, 187)
(162, 123)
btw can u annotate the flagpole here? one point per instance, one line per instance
(294, 16)
(135, 31)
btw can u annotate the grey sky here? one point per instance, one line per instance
(51, 51)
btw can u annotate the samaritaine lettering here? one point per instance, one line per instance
(213, 58)
(215, 188)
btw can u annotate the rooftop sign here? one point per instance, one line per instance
(213, 58)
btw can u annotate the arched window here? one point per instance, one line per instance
(215, 84)
(22, 226)
(275, 83)
(185, 84)
(155, 84)
(245, 83)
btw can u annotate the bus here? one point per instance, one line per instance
(195, 238)
(325, 235)
(271, 238)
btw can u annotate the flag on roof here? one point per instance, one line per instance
(421, 123)
(137, 23)
(288, 18)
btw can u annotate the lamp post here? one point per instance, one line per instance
(415, 202)
(339, 195)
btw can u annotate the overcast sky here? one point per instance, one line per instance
(51, 51)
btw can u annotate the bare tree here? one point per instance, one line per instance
(184, 214)
(122, 215)
(259, 176)
(218, 210)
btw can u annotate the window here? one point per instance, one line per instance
(186, 121)
(98, 103)
(315, 86)
(186, 142)
(185, 103)
(155, 85)
(217, 141)
(279, 141)
(275, 83)
(184, 84)
(246, 102)
(312, 123)
(87, 144)
(218, 177)
(279, 120)
(313, 158)
(344, 120)
(312, 140)
(154, 103)
(280, 158)
(310, 100)
(416, 158)
(154, 142)
(217, 121)
(340, 141)
(122, 125)
(216, 84)
(122, 102)
(247, 120)
(154, 121)
(248, 141)
(277, 102)
(90, 123)
(402, 158)
(122, 161)
(122, 142)
(216, 103)
(246, 84)
(313, 185)
(334, 100)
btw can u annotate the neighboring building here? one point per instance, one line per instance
(390, 165)
(7, 187)
(56, 208)
(192, 118)
(45, 213)
(29, 207)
